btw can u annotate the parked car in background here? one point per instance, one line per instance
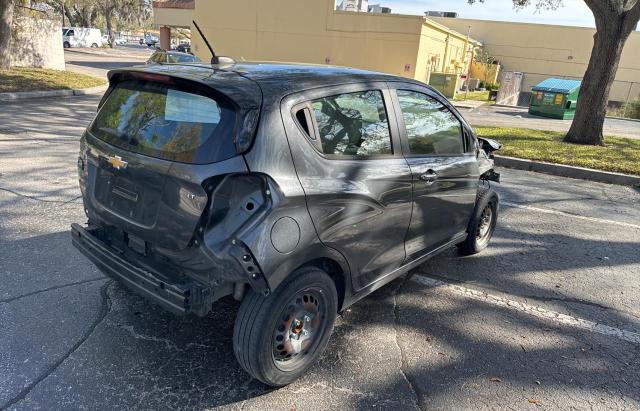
(118, 40)
(168, 57)
(150, 40)
(81, 37)
(296, 189)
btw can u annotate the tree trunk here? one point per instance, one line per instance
(6, 20)
(591, 110)
(108, 16)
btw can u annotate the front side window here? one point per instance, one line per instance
(166, 122)
(353, 124)
(431, 127)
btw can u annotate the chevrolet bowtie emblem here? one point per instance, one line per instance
(117, 162)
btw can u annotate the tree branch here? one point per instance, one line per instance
(631, 18)
(600, 7)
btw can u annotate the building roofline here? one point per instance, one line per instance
(424, 20)
(523, 23)
(174, 4)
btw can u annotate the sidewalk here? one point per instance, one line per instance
(28, 95)
(121, 52)
(518, 117)
(469, 104)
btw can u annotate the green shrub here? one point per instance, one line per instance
(632, 110)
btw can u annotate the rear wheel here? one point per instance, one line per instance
(483, 222)
(94, 45)
(66, 45)
(278, 338)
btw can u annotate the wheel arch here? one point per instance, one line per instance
(324, 258)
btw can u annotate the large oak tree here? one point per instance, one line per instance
(6, 20)
(615, 20)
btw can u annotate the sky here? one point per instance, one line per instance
(572, 12)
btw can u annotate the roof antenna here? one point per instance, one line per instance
(214, 59)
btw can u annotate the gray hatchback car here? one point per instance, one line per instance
(295, 189)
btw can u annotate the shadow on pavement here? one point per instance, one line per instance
(139, 355)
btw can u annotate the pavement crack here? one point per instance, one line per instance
(105, 307)
(91, 280)
(404, 367)
(42, 200)
(132, 332)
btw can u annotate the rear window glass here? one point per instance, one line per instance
(165, 122)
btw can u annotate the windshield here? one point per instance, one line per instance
(166, 122)
(181, 58)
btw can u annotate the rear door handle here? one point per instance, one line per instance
(429, 177)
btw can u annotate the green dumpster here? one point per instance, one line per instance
(555, 98)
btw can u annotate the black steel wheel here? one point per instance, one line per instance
(482, 223)
(279, 337)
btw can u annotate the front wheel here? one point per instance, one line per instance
(277, 338)
(482, 223)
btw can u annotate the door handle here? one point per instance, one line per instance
(429, 177)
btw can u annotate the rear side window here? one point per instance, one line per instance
(353, 124)
(170, 123)
(431, 127)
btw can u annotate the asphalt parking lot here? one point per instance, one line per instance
(547, 317)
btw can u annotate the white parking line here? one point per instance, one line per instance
(529, 309)
(562, 213)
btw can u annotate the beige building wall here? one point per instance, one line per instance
(541, 51)
(312, 31)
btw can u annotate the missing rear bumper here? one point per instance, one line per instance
(178, 298)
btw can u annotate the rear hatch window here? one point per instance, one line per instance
(170, 122)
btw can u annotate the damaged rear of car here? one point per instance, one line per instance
(166, 188)
(297, 189)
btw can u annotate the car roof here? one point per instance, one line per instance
(276, 80)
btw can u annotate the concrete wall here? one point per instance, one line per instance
(312, 31)
(37, 43)
(541, 51)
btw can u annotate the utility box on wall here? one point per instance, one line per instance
(555, 98)
(446, 83)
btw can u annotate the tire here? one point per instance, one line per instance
(66, 45)
(278, 338)
(94, 45)
(482, 223)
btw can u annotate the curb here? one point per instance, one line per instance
(28, 95)
(471, 107)
(568, 171)
(635, 120)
